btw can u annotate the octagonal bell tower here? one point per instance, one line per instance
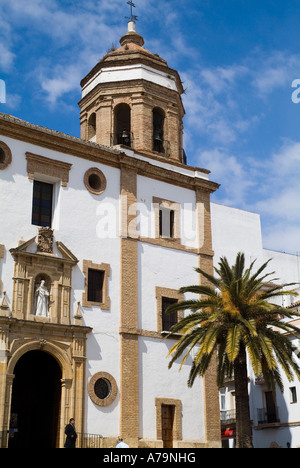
(132, 98)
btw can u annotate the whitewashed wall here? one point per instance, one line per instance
(149, 188)
(237, 230)
(79, 222)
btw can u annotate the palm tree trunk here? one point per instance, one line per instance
(243, 424)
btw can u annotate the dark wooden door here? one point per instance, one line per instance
(167, 422)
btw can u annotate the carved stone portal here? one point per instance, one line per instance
(22, 330)
(33, 267)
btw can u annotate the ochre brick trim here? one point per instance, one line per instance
(7, 155)
(171, 205)
(170, 293)
(129, 356)
(177, 430)
(96, 189)
(91, 389)
(46, 166)
(105, 304)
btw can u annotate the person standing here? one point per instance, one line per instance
(71, 434)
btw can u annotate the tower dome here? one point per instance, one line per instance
(132, 98)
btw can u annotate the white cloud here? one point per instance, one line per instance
(275, 71)
(281, 188)
(6, 58)
(72, 34)
(270, 188)
(66, 81)
(231, 173)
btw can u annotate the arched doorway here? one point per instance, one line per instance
(35, 404)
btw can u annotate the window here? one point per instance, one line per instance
(5, 155)
(166, 222)
(94, 181)
(293, 395)
(168, 319)
(166, 297)
(102, 389)
(42, 204)
(158, 117)
(122, 134)
(95, 285)
(92, 126)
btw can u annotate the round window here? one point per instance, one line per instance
(2, 156)
(95, 181)
(5, 155)
(102, 389)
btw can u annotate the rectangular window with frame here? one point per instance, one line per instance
(293, 395)
(95, 285)
(42, 204)
(166, 222)
(168, 319)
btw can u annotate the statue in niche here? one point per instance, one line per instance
(41, 300)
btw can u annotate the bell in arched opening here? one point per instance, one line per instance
(158, 116)
(122, 135)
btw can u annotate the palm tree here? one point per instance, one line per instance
(232, 318)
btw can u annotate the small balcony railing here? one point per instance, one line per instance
(89, 440)
(228, 416)
(265, 416)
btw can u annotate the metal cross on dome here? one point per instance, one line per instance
(131, 17)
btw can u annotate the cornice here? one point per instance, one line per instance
(119, 58)
(43, 137)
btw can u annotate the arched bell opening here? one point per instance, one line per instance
(122, 127)
(158, 120)
(92, 126)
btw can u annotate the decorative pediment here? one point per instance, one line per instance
(42, 279)
(43, 243)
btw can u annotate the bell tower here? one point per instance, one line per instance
(132, 98)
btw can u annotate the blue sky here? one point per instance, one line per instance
(237, 59)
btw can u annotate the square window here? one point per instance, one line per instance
(42, 204)
(168, 319)
(293, 395)
(95, 285)
(166, 222)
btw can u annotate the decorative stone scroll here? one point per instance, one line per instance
(45, 240)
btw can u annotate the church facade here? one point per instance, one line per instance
(97, 236)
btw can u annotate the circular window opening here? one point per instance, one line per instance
(102, 388)
(5, 155)
(2, 156)
(95, 181)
